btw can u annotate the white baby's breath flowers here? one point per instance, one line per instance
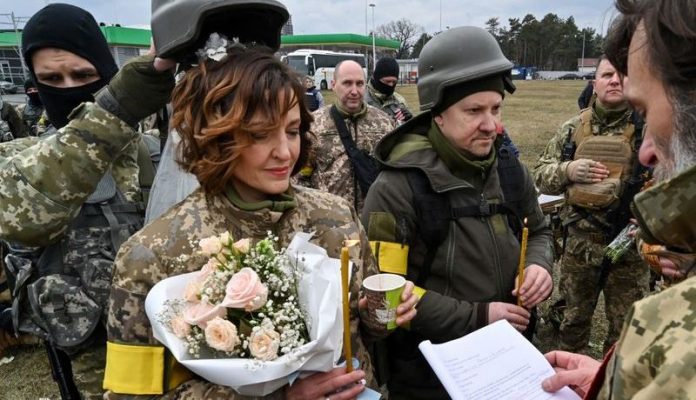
(268, 324)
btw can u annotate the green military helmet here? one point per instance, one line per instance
(180, 27)
(457, 55)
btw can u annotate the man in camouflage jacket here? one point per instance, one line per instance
(381, 92)
(654, 358)
(584, 270)
(330, 168)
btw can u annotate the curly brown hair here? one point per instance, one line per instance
(214, 105)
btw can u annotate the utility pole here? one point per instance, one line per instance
(374, 52)
(365, 17)
(440, 15)
(582, 57)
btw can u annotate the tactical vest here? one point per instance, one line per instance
(616, 152)
(60, 292)
(311, 99)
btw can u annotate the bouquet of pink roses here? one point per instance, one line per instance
(253, 314)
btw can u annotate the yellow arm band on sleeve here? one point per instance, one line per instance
(140, 369)
(391, 257)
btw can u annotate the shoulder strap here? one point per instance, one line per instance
(511, 175)
(433, 211)
(146, 168)
(584, 128)
(364, 165)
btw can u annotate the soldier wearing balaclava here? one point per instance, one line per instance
(381, 88)
(72, 29)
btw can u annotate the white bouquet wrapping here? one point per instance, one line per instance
(319, 298)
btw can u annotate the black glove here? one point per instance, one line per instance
(137, 90)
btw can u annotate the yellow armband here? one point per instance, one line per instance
(140, 369)
(391, 257)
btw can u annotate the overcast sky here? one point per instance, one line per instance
(348, 16)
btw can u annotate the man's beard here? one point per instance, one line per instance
(682, 149)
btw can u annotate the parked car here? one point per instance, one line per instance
(7, 87)
(569, 77)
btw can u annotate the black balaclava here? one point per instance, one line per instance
(386, 66)
(34, 98)
(72, 29)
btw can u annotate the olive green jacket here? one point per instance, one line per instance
(474, 266)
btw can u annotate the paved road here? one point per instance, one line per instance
(14, 98)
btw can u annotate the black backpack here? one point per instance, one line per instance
(434, 211)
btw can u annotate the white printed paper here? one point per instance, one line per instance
(493, 363)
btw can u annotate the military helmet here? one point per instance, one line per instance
(458, 55)
(180, 27)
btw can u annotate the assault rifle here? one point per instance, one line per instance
(61, 369)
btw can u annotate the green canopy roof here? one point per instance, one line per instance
(338, 39)
(117, 35)
(121, 36)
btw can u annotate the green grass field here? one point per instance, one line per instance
(532, 115)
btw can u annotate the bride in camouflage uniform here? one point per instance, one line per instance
(244, 132)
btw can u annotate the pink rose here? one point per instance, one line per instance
(264, 344)
(192, 290)
(221, 334)
(225, 238)
(200, 313)
(242, 245)
(245, 290)
(210, 246)
(179, 327)
(208, 269)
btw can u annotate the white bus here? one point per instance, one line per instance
(320, 64)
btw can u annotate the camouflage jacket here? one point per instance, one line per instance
(377, 99)
(31, 115)
(166, 247)
(43, 182)
(11, 125)
(550, 172)
(330, 165)
(655, 357)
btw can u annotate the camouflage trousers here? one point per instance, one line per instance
(88, 371)
(582, 279)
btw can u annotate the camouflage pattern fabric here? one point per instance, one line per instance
(44, 182)
(655, 357)
(31, 115)
(88, 371)
(383, 102)
(677, 197)
(580, 266)
(624, 283)
(11, 126)
(167, 247)
(332, 170)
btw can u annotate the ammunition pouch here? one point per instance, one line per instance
(60, 292)
(616, 154)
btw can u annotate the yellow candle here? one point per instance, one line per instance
(523, 256)
(347, 351)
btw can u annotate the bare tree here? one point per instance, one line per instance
(403, 30)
